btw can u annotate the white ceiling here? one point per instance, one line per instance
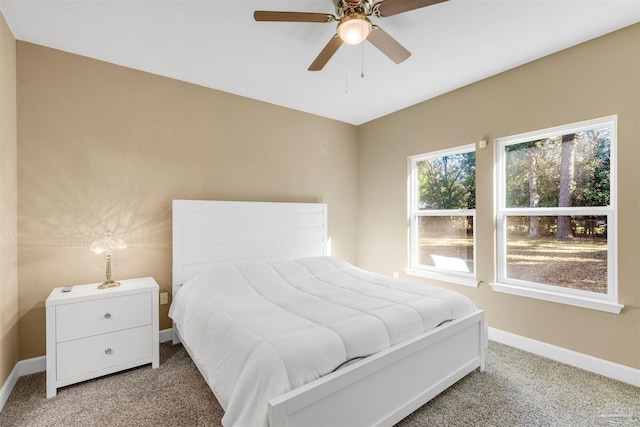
(217, 44)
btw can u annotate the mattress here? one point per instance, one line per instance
(259, 329)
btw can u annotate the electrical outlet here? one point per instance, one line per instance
(395, 274)
(164, 298)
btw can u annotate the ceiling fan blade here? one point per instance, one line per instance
(388, 45)
(326, 54)
(393, 7)
(266, 15)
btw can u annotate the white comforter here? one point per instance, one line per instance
(257, 330)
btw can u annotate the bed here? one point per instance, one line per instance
(247, 252)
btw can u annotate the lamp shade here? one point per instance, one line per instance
(107, 245)
(354, 29)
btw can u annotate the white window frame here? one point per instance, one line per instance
(414, 268)
(605, 302)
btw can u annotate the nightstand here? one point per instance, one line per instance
(93, 332)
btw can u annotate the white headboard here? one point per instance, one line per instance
(206, 233)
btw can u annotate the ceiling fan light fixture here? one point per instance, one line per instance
(354, 29)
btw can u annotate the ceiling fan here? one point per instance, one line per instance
(354, 25)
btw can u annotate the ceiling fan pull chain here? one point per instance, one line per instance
(362, 60)
(346, 70)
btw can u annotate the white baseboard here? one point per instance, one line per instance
(8, 385)
(602, 367)
(31, 366)
(166, 335)
(22, 368)
(39, 364)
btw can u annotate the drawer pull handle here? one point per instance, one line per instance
(108, 350)
(107, 315)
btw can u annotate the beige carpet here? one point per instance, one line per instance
(517, 389)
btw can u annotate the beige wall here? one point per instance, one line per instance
(8, 205)
(106, 147)
(595, 79)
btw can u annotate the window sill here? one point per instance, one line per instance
(444, 277)
(577, 301)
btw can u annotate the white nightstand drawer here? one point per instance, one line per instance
(89, 318)
(100, 352)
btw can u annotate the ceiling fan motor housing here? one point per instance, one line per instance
(346, 8)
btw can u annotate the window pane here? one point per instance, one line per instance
(446, 242)
(566, 170)
(447, 182)
(535, 254)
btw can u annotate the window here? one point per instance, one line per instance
(442, 209)
(556, 215)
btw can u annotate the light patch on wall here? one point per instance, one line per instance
(90, 189)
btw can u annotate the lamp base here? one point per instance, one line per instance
(109, 284)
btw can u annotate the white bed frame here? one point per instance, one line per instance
(379, 390)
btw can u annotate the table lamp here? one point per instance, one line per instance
(107, 245)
